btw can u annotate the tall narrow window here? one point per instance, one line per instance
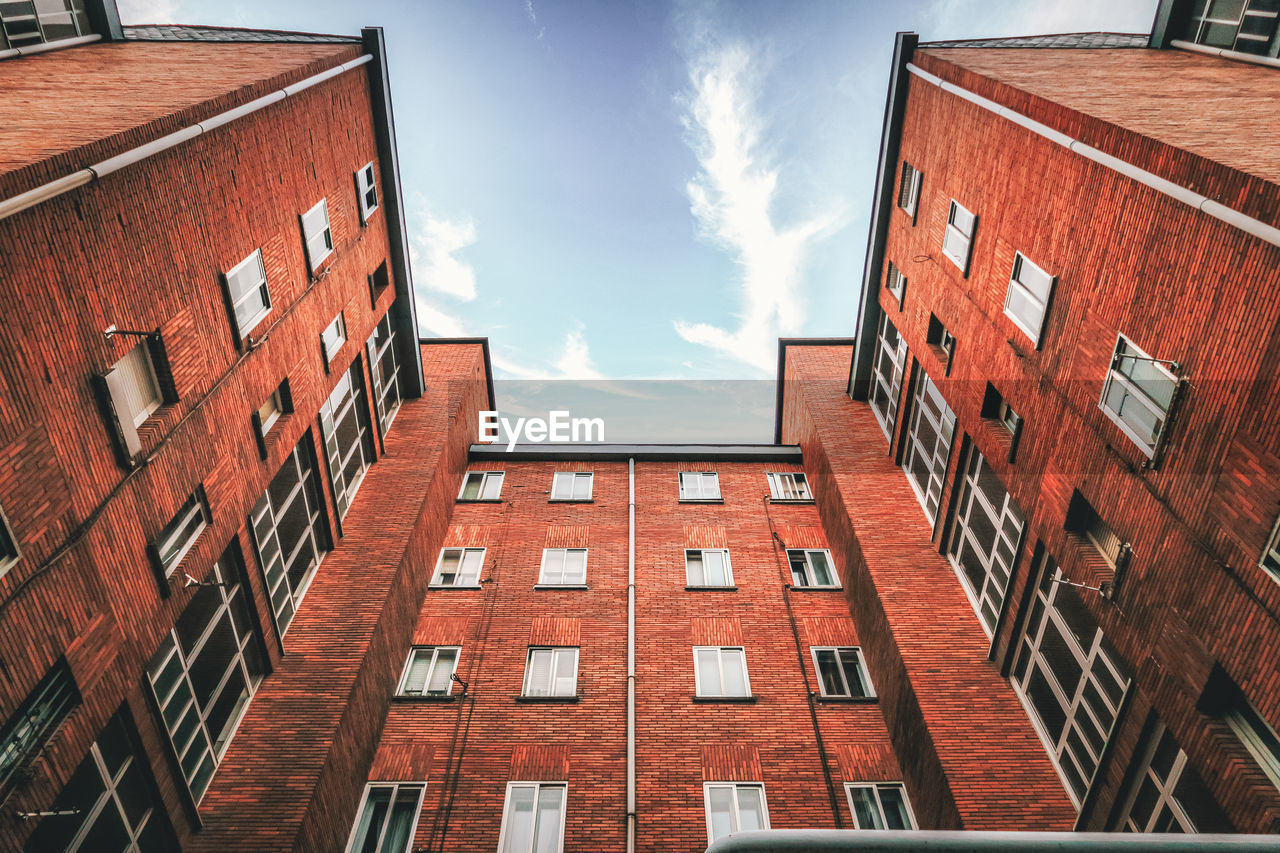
(879, 806)
(1069, 679)
(26, 731)
(1138, 394)
(957, 240)
(942, 341)
(482, 486)
(180, 534)
(9, 550)
(699, 486)
(812, 567)
(984, 539)
(1168, 795)
(384, 364)
(204, 674)
(571, 486)
(886, 375)
(788, 487)
(1084, 521)
(1271, 554)
(1257, 736)
(333, 337)
(366, 191)
(388, 818)
(734, 807)
(928, 446)
(348, 440)
(316, 234)
(551, 672)
(248, 293)
(841, 672)
(459, 567)
(1027, 298)
(909, 189)
(563, 566)
(533, 818)
(289, 531)
(707, 567)
(720, 672)
(131, 391)
(896, 283)
(429, 671)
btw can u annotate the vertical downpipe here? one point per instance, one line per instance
(631, 656)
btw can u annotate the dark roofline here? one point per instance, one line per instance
(488, 365)
(136, 32)
(640, 452)
(783, 343)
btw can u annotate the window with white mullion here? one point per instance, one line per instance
(720, 671)
(734, 807)
(551, 671)
(563, 566)
(841, 672)
(984, 539)
(482, 486)
(957, 240)
(1271, 554)
(180, 534)
(699, 486)
(316, 234)
(928, 444)
(344, 421)
(429, 671)
(388, 817)
(707, 567)
(1167, 794)
(571, 485)
(459, 567)
(248, 291)
(1027, 298)
(909, 188)
(812, 567)
(533, 818)
(366, 191)
(788, 486)
(881, 805)
(887, 369)
(1248, 27)
(1138, 394)
(385, 367)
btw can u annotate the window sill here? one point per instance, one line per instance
(849, 700)
(453, 586)
(795, 588)
(741, 700)
(547, 699)
(701, 500)
(790, 500)
(399, 697)
(560, 586)
(570, 500)
(711, 589)
(479, 500)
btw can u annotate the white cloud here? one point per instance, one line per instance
(533, 18)
(573, 362)
(731, 199)
(432, 248)
(437, 322)
(959, 19)
(148, 11)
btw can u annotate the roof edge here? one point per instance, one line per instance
(783, 343)
(488, 363)
(640, 452)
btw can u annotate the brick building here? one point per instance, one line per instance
(1010, 563)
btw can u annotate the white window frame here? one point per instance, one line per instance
(549, 558)
(843, 653)
(1201, 22)
(895, 282)
(384, 367)
(1166, 789)
(134, 390)
(736, 653)
(888, 368)
(876, 788)
(316, 235)
(366, 185)
(1257, 736)
(334, 337)
(552, 690)
(459, 576)
(1148, 444)
(699, 485)
(702, 552)
(788, 486)
(909, 189)
(347, 400)
(1270, 559)
(193, 510)
(10, 549)
(575, 478)
(505, 843)
(928, 403)
(240, 291)
(486, 479)
(414, 653)
(810, 573)
(957, 244)
(1024, 290)
(396, 788)
(276, 401)
(735, 818)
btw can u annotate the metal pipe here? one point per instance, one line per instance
(1239, 56)
(1234, 218)
(47, 46)
(953, 841)
(58, 186)
(631, 656)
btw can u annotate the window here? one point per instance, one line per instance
(707, 567)
(1085, 522)
(563, 566)
(108, 803)
(1271, 554)
(366, 192)
(1138, 394)
(996, 408)
(348, 440)
(533, 818)
(459, 567)
(316, 236)
(886, 375)
(696, 486)
(9, 550)
(429, 671)
(270, 411)
(551, 672)
(984, 539)
(384, 364)
(810, 567)
(879, 806)
(734, 807)
(379, 280)
(1027, 299)
(943, 342)
(135, 387)
(23, 24)
(204, 674)
(1248, 26)
(896, 283)
(841, 672)
(571, 486)
(1069, 679)
(180, 534)
(248, 293)
(720, 672)
(333, 337)
(388, 818)
(957, 241)
(482, 486)
(1257, 736)
(1168, 795)
(31, 725)
(290, 532)
(789, 487)
(929, 435)
(909, 189)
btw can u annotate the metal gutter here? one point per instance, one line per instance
(631, 656)
(953, 841)
(384, 129)
(904, 47)
(1254, 227)
(1238, 56)
(46, 47)
(59, 186)
(488, 365)
(644, 452)
(783, 343)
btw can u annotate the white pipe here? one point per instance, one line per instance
(631, 657)
(1239, 56)
(1255, 227)
(57, 187)
(47, 46)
